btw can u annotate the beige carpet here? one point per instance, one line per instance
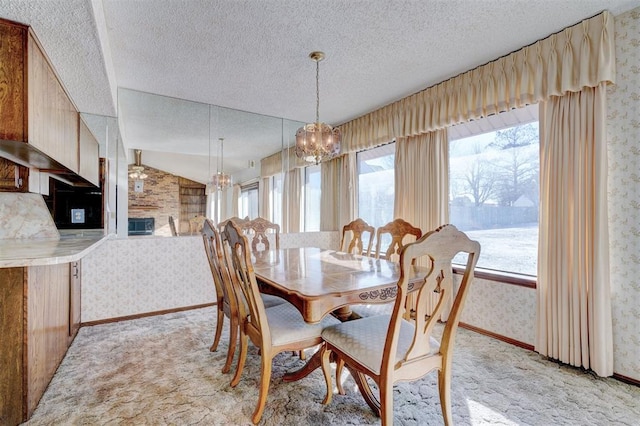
(159, 371)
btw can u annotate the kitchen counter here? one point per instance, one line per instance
(72, 246)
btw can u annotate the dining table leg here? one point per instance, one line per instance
(365, 390)
(312, 364)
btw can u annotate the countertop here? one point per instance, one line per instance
(72, 245)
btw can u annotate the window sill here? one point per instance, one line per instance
(527, 281)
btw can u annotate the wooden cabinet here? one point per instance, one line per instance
(89, 155)
(39, 124)
(39, 318)
(13, 177)
(193, 202)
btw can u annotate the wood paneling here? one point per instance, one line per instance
(89, 162)
(12, 81)
(11, 348)
(13, 177)
(47, 327)
(53, 120)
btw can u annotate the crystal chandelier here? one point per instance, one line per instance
(137, 171)
(317, 142)
(220, 180)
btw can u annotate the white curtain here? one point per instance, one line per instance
(422, 189)
(264, 191)
(574, 323)
(291, 196)
(330, 172)
(347, 190)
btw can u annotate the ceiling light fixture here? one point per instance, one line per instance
(317, 142)
(137, 171)
(221, 180)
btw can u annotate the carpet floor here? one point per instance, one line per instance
(159, 371)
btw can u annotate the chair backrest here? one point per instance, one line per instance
(196, 223)
(440, 246)
(172, 226)
(258, 228)
(244, 281)
(238, 220)
(355, 229)
(398, 229)
(225, 293)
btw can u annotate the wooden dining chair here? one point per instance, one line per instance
(226, 300)
(196, 223)
(240, 221)
(407, 351)
(273, 330)
(351, 241)
(257, 229)
(398, 229)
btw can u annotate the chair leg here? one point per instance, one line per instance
(265, 379)
(244, 343)
(444, 389)
(219, 322)
(233, 338)
(326, 370)
(339, 368)
(386, 403)
(303, 355)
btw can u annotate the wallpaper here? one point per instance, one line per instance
(144, 274)
(623, 134)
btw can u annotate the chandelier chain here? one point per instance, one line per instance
(317, 91)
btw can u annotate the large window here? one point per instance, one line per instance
(494, 195)
(248, 203)
(312, 198)
(275, 198)
(376, 184)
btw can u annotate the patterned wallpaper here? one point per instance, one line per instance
(144, 274)
(623, 133)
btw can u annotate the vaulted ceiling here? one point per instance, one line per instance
(115, 56)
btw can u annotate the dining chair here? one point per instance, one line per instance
(172, 226)
(257, 229)
(196, 223)
(272, 330)
(226, 300)
(240, 221)
(407, 351)
(351, 241)
(398, 229)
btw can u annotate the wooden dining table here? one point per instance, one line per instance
(321, 282)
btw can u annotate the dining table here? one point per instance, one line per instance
(320, 282)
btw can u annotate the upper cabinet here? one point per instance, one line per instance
(89, 151)
(39, 124)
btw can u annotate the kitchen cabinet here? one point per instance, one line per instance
(13, 177)
(39, 318)
(89, 154)
(39, 124)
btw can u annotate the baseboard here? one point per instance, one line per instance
(497, 336)
(625, 379)
(146, 314)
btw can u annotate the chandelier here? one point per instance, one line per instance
(220, 180)
(317, 142)
(137, 171)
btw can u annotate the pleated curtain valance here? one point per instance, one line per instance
(279, 162)
(582, 55)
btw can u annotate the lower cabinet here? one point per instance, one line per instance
(40, 316)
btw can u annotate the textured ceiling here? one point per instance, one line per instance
(252, 56)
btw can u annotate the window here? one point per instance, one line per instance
(275, 198)
(376, 185)
(494, 193)
(248, 201)
(312, 198)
